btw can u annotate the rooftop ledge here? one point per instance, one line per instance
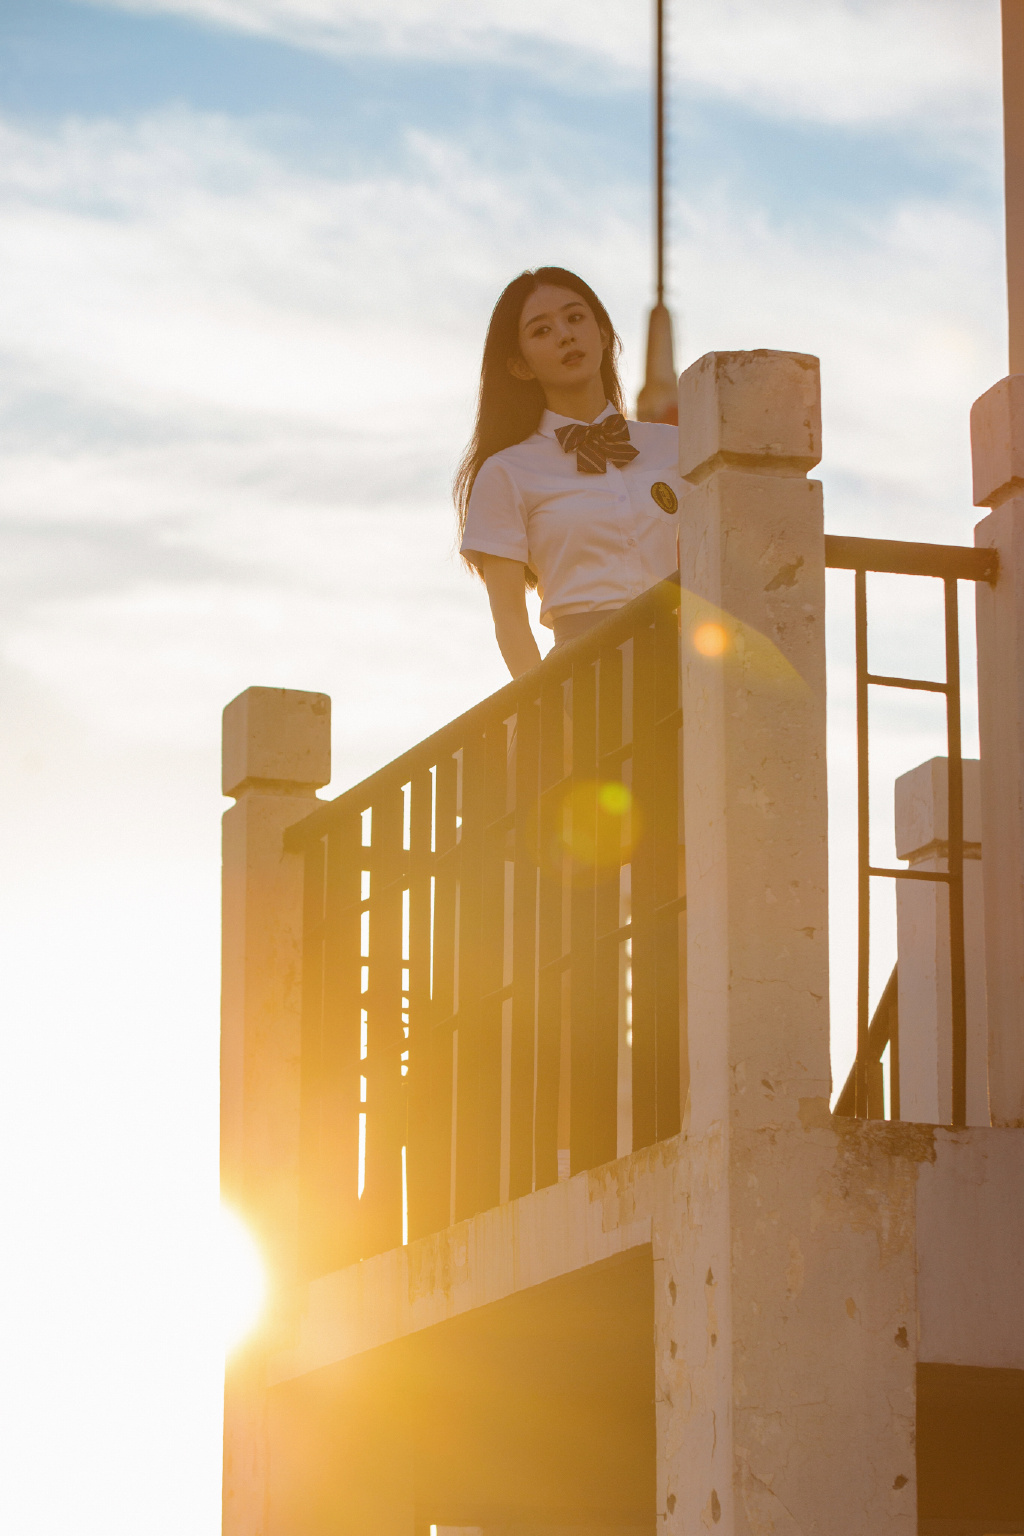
(967, 1227)
(594, 1216)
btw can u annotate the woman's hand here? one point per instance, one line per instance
(506, 591)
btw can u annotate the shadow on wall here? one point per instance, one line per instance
(970, 1451)
(533, 1414)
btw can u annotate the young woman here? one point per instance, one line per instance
(556, 489)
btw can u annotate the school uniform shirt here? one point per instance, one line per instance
(594, 541)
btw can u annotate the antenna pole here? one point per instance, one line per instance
(659, 140)
(1013, 122)
(657, 399)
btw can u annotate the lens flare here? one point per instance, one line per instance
(614, 798)
(243, 1282)
(710, 639)
(600, 826)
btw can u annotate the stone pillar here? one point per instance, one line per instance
(997, 440)
(276, 753)
(785, 1341)
(922, 928)
(752, 568)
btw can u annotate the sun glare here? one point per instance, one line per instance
(243, 1282)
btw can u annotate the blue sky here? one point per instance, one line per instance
(247, 252)
(59, 57)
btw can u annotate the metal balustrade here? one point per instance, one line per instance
(949, 563)
(492, 993)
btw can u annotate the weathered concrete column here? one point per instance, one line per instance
(276, 753)
(922, 929)
(785, 1339)
(997, 439)
(752, 563)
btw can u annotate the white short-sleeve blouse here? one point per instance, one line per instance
(594, 541)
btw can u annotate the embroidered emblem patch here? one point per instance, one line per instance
(665, 496)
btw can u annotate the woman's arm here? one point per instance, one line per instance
(506, 591)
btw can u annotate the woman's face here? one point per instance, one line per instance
(560, 341)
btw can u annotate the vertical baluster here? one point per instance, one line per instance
(583, 1137)
(343, 1004)
(667, 934)
(493, 801)
(860, 619)
(312, 1107)
(681, 929)
(630, 835)
(447, 852)
(330, 1050)
(644, 949)
(549, 986)
(385, 1091)
(610, 816)
(955, 859)
(426, 1194)
(524, 952)
(471, 843)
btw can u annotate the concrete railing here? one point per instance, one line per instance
(491, 938)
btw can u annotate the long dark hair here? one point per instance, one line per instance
(509, 409)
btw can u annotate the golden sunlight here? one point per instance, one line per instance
(243, 1283)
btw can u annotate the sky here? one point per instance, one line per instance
(247, 253)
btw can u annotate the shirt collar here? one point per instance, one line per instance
(550, 420)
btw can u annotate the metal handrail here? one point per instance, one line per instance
(556, 666)
(884, 1030)
(900, 557)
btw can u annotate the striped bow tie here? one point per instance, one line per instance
(596, 444)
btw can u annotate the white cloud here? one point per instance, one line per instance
(834, 61)
(172, 262)
(906, 311)
(263, 379)
(237, 390)
(272, 373)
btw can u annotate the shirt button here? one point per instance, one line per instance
(631, 543)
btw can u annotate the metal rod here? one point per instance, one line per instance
(863, 846)
(881, 1032)
(906, 682)
(955, 859)
(894, 1051)
(910, 874)
(1013, 135)
(659, 141)
(900, 558)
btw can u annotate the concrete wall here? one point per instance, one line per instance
(970, 1249)
(896, 1244)
(997, 440)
